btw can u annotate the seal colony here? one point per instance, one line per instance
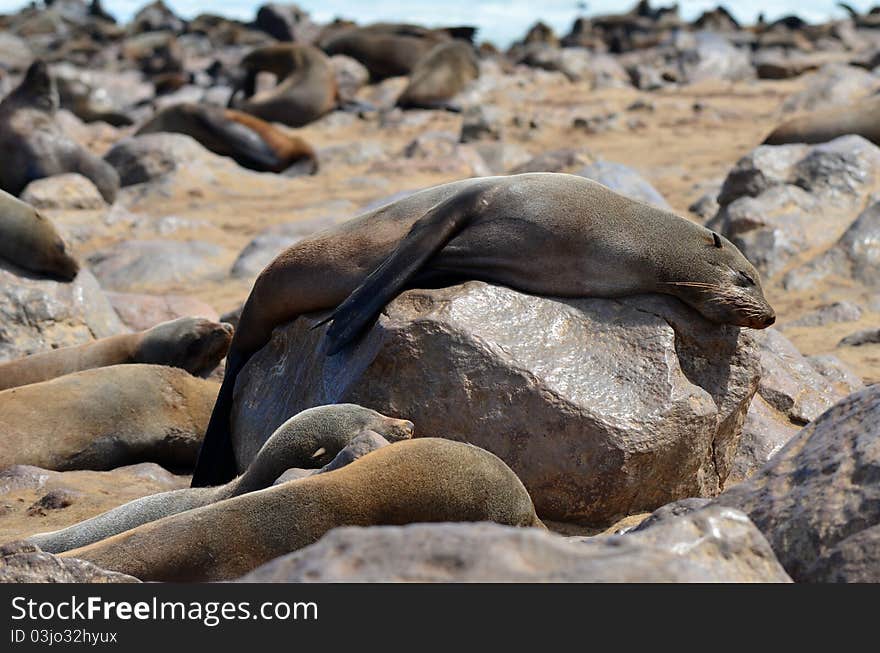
(540, 233)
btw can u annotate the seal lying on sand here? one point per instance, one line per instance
(251, 142)
(106, 417)
(420, 480)
(862, 118)
(541, 233)
(191, 343)
(34, 145)
(439, 76)
(306, 88)
(29, 240)
(306, 439)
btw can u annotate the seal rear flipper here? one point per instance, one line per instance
(245, 145)
(216, 464)
(426, 237)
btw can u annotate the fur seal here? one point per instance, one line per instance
(190, 343)
(388, 49)
(29, 240)
(106, 417)
(36, 147)
(862, 118)
(306, 88)
(420, 480)
(314, 435)
(250, 141)
(439, 76)
(541, 233)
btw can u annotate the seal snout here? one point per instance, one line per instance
(398, 429)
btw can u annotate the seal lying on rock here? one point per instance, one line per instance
(541, 233)
(34, 145)
(191, 343)
(421, 480)
(29, 240)
(103, 418)
(862, 118)
(251, 142)
(306, 88)
(314, 435)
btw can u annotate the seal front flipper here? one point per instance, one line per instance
(426, 237)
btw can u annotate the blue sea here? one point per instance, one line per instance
(499, 21)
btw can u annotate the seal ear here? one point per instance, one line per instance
(716, 240)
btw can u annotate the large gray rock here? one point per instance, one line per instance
(855, 256)
(602, 407)
(350, 74)
(780, 202)
(818, 499)
(719, 545)
(624, 180)
(832, 85)
(711, 56)
(39, 314)
(25, 563)
(157, 265)
(139, 312)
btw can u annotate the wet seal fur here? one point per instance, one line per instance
(546, 234)
(29, 240)
(419, 480)
(107, 417)
(250, 141)
(862, 118)
(306, 88)
(306, 439)
(35, 146)
(194, 344)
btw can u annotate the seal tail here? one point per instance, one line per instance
(216, 461)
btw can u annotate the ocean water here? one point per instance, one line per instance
(499, 21)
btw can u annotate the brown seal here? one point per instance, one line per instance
(250, 141)
(862, 118)
(306, 88)
(440, 75)
(193, 344)
(35, 146)
(307, 439)
(421, 480)
(29, 240)
(106, 417)
(541, 233)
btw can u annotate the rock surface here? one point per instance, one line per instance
(69, 191)
(624, 180)
(25, 563)
(719, 545)
(591, 402)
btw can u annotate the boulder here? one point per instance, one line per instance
(21, 562)
(780, 202)
(832, 85)
(602, 407)
(720, 545)
(69, 191)
(818, 500)
(351, 75)
(158, 265)
(709, 56)
(140, 312)
(39, 314)
(626, 181)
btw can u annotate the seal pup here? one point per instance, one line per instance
(194, 344)
(418, 480)
(106, 417)
(250, 141)
(29, 240)
(439, 76)
(862, 118)
(306, 88)
(35, 146)
(546, 234)
(306, 439)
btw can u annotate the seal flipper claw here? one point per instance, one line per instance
(427, 236)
